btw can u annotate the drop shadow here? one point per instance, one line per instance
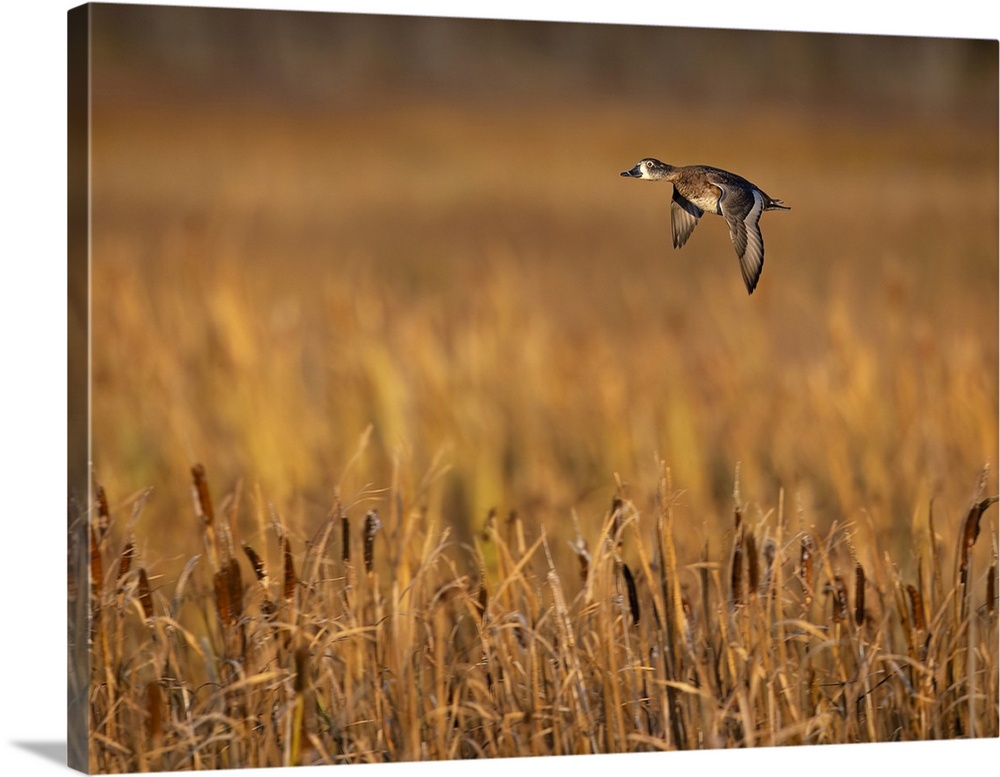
(51, 751)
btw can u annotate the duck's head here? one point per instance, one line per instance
(649, 169)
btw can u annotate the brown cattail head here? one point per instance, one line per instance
(970, 533)
(96, 568)
(633, 595)
(736, 572)
(991, 589)
(259, 570)
(916, 608)
(222, 602)
(203, 501)
(753, 568)
(290, 579)
(345, 528)
(859, 594)
(372, 525)
(229, 592)
(301, 670)
(103, 514)
(806, 567)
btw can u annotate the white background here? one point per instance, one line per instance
(33, 373)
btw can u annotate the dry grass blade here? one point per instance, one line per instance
(290, 580)
(300, 684)
(182, 584)
(839, 590)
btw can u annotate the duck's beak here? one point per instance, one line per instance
(635, 172)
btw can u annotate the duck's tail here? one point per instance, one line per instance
(777, 205)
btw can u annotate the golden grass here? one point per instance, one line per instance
(479, 298)
(403, 657)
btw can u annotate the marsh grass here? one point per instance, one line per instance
(513, 347)
(407, 657)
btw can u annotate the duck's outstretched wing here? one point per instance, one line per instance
(742, 208)
(684, 216)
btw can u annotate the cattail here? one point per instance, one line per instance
(633, 596)
(103, 514)
(736, 579)
(345, 528)
(259, 570)
(96, 570)
(145, 599)
(203, 509)
(301, 669)
(753, 570)
(372, 525)
(483, 599)
(229, 592)
(203, 501)
(917, 608)
(991, 590)
(970, 533)
(290, 579)
(806, 567)
(859, 594)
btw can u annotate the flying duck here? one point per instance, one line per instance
(699, 189)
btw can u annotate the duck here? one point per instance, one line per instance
(700, 189)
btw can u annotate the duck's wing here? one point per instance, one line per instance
(684, 216)
(742, 208)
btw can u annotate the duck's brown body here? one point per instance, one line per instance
(700, 189)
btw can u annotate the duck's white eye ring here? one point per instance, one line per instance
(649, 163)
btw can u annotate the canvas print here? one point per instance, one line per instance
(467, 389)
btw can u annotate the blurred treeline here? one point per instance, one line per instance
(329, 59)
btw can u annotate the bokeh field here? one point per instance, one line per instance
(448, 303)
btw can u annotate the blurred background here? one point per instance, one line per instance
(307, 226)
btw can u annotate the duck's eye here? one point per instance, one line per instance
(649, 164)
